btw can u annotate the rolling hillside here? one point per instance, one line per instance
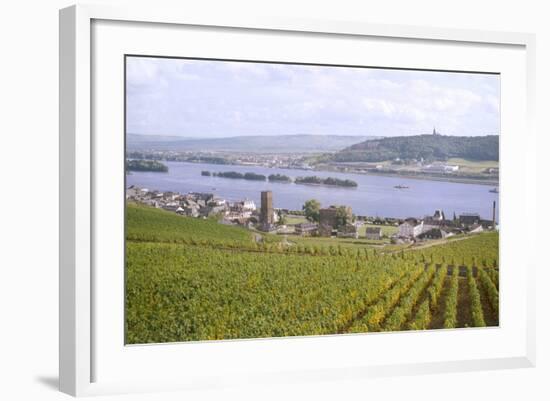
(251, 144)
(427, 147)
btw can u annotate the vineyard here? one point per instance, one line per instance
(155, 225)
(191, 279)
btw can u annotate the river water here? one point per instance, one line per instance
(374, 196)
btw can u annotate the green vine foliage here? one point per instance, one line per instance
(191, 279)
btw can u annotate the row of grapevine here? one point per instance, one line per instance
(451, 302)
(376, 313)
(489, 287)
(401, 313)
(375, 294)
(423, 316)
(435, 290)
(493, 275)
(475, 300)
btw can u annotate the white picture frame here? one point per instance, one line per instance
(81, 342)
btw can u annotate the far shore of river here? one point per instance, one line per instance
(459, 180)
(411, 176)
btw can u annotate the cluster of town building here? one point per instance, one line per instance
(410, 229)
(331, 222)
(439, 227)
(276, 160)
(195, 204)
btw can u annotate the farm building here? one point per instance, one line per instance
(305, 229)
(440, 168)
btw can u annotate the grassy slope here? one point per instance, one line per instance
(157, 225)
(291, 220)
(481, 164)
(474, 166)
(386, 230)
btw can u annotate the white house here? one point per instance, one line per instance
(249, 205)
(245, 205)
(411, 228)
(440, 168)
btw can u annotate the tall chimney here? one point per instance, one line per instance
(494, 214)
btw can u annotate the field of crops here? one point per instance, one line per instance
(191, 279)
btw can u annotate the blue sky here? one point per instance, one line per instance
(199, 98)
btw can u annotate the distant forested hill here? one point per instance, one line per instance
(253, 144)
(428, 147)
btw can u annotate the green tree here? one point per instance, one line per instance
(311, 210)
(342, 216)
(281, 218)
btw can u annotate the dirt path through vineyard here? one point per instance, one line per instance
(463, 312)
(491, 318)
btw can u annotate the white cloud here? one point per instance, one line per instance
(379, 106)
(187, 97)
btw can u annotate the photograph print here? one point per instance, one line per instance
(267, 199)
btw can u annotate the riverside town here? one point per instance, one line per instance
(329, 221)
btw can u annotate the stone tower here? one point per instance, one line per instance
(266, 210)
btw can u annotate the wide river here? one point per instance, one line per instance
(375, 195)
